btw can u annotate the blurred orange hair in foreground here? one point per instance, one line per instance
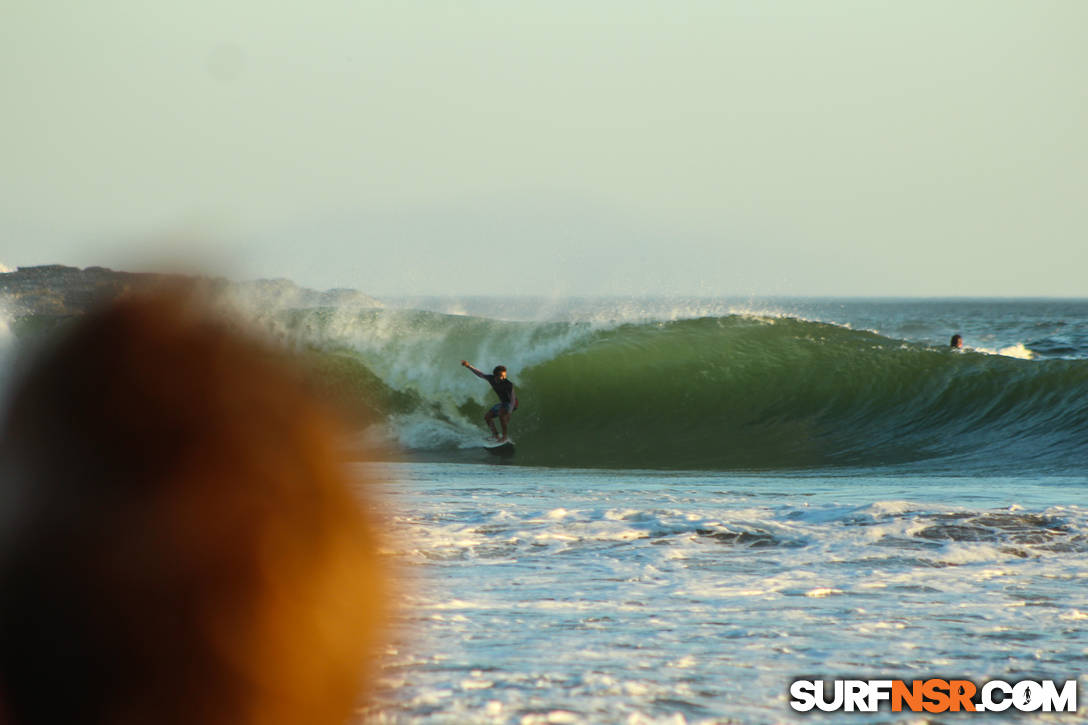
(178, 540)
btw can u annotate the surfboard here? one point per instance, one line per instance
(500, 448)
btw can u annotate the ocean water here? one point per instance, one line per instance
(713, 497)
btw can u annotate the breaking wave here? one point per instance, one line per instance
(717, 393)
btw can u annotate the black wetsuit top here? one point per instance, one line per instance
(502, 387)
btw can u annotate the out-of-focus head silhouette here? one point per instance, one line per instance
(179, 540)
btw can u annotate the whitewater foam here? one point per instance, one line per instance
(639, 597)
(421, 351)
(1017, 351)
(422, 431)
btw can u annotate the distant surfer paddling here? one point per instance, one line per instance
(508, 400)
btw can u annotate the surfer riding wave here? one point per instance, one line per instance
(508, 399)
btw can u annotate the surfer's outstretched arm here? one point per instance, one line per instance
(474, 370)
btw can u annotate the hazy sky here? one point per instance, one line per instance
(611, 146)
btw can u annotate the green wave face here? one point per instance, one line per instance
(746, 393)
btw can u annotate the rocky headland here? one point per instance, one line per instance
(36, 302)
(60, 291)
